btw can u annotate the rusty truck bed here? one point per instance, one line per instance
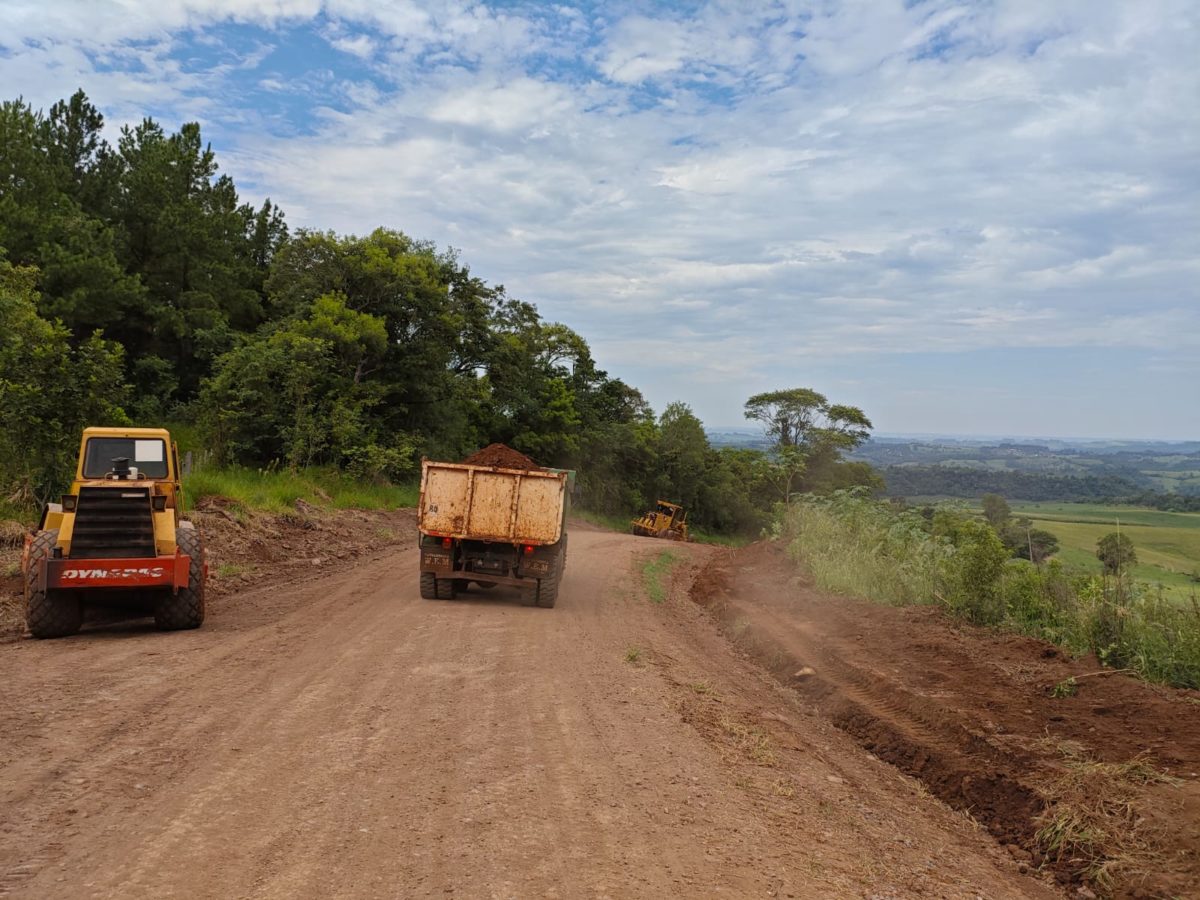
(486, 503)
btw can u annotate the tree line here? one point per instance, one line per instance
(137, 287)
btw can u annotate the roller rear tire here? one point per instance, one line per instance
(49, 613)
(185, 608)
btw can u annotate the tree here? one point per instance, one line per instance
(1115, 552)
(49, 391)
(1027, 542)
(810, 434)
(194, 247)
(997, 511)
(801, 417)
(682, 449)
(57, 184)
(302, 391)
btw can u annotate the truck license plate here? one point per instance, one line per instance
(435, 561)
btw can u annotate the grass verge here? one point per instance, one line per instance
(653, 572)
(278, 491)
(854, 545)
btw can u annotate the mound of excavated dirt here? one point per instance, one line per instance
(1081, 771)
(501, 456)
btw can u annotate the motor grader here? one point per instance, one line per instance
(117, 537)
(666, 520)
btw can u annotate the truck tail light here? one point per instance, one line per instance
(529, 549)
(447, 543)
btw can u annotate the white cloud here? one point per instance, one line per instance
(795, 182)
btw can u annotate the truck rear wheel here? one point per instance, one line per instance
(49, 614)
(428, 586)
(547, 593)
(547, 589)
(446, 589)
(184, 608)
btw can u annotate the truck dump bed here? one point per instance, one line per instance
(487, 503)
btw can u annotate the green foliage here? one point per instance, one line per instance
(803, 418)
(971, 580)
(1167, 543)
(653, 572)
(49, 391)
(1026, 542)
(1115, 552)
(996, 510)
(301, 391)
(1068, 687)
(894, 554)
(277, 491)
(809, 436)
(682, 452)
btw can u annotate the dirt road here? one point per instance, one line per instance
(341, 737)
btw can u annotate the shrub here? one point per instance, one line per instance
(855, 545)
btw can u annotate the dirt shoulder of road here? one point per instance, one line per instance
(246, 549)
(1080, 772)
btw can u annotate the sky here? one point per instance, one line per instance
(963, 217)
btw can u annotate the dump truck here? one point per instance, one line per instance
(491, 525)
(117, 537)
(666, 520)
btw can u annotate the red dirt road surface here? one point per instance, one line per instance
(340, 737)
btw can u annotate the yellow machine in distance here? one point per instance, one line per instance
(116, 537)
(666, 520)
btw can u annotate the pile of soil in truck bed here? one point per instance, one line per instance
(502, 457)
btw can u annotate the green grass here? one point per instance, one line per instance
(24, 514)
(853, 545)
(1103, 513)
(653, 571)
(1167, 543)
(278, 491)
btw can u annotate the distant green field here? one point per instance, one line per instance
(1167, 544)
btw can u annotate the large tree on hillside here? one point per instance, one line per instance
(810, 434)
(803, 418)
